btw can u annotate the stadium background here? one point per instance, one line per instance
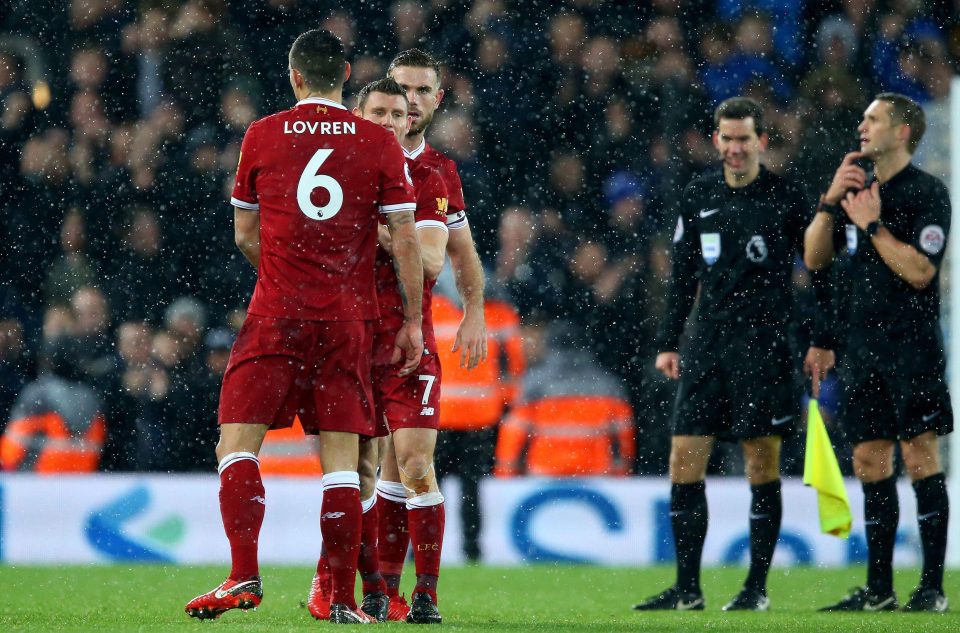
(574, 124)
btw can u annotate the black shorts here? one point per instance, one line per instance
(737, 382)
(893, 388)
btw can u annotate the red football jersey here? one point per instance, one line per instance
(456, 211)
(320, 177)
(432, 208)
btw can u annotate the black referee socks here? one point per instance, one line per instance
(933, 514)
(688, 516)
(766, 512)
(881, 509)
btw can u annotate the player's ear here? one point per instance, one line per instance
(346, 71)
(357, 113)
(764, 139)
(716, 140)
(440, 94)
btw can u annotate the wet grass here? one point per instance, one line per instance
(542, 598)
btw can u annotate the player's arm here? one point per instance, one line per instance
(433, 249)
(406, 259)
(468, 272)
(818, 251)
(246, 234)
(903, 259)
(681, 294)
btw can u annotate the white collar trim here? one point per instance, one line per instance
(413, 154)
(321, 101)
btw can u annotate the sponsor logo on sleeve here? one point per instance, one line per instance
(932, 239)
(710, 247)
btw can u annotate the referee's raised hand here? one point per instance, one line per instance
(849, 176)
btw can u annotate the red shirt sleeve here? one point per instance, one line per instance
(396, 184)
(432, 202)
(245, 188)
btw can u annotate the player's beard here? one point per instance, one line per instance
(421, 124)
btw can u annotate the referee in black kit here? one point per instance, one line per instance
(892, 366)
(737, 238)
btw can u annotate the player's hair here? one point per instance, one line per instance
(386, 85)
(739, 108)
(415, 58)
(906, 111)
(318, 56)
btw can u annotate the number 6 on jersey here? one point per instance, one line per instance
(310, 179)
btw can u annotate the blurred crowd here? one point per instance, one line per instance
(574, 124)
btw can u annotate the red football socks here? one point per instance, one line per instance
(425, 516)
(340, 518)
(368, 563)
(241, 507)
(394, 537)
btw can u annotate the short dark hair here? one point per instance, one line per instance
(386, 85)
(739, 108)
(417, 59)
(318, 56)
(906, 111)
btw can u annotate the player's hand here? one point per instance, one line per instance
(408, 348)
(848, 176)
(863, 207)
(669, 364)
(471, 341)
(817, 363)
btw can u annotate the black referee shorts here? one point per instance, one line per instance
(736, 383)
(893, 388)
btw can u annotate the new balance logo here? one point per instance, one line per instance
(232, 591)
(706, 213)
(259, 499)
(332, 515)
(426, 411)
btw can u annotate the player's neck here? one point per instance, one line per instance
(737, 181)
(886, 166)
(331, 95)
(412, 141)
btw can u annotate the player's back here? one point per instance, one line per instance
(319, 177)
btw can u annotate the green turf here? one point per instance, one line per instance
(541, 598)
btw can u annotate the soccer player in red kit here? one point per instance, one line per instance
(407, 512)
(406, 406)
(311, 184)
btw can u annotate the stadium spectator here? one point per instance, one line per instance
(73, 269)
(56, 424)
(572, 417)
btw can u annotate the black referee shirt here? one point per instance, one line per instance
(739, 245)
(915, 208)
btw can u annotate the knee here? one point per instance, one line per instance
(417, 466)
(684, 470)
(920, 462)
(871, 465)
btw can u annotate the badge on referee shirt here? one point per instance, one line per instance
(710, 247)
(851, 239)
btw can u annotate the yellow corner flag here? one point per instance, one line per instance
(822, 472)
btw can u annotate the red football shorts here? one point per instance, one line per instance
(408, 402)
(317, 370)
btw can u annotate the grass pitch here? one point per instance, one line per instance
(150, 598)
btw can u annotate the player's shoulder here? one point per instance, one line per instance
(923, 180)
(780, 183)
(432, 156)
(426, 174)
(703, 184)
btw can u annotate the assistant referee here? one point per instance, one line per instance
(738, 236)
(894, 230)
